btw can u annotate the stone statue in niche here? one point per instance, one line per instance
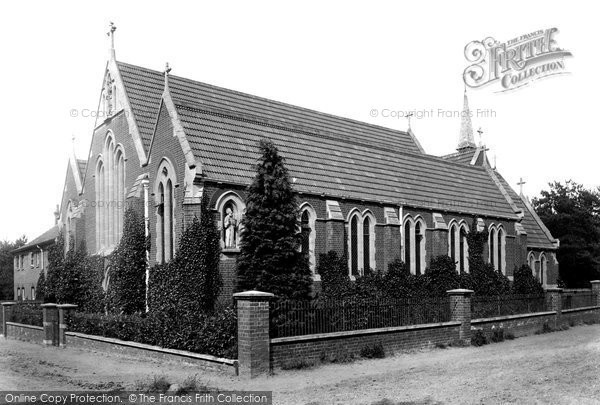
(230, 227)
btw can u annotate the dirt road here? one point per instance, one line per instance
(560, 367)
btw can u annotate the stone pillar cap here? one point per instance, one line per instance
(253, 295)
(67, 306)
(460, 291)
(595, 282)
(7, 303)
(49, 305)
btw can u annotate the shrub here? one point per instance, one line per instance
(374, 351)
(497, 335)
(198, 259)
(297, 364)
(479, 338)
(270, 259)
(214, 334)
(510, 336)
(28, 314)
(441, 276)
(127, 288)
(333, 269)
(525, 283)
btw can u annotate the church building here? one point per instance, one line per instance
(162, 142)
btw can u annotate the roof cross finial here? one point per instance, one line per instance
(408, 117)
(167, 68)
(480, 132)
(520, 184)
(111, 34)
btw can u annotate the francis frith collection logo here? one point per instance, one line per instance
(515, 63)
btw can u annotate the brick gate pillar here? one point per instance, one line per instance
(62, 324)
(254, 343)
(554, 300)
(596, 291)
(6, 309)
(460, 310)
(50, 315)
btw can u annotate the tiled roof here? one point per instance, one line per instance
(537, 233)
(144, 88)
(330, 164)
(81, 167)
(48, 236)
(463, 156)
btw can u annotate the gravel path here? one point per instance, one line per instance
(560, 367)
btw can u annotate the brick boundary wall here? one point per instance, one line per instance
(313, 348)
(104, 344)
(27, 333)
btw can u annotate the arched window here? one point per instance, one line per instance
(231, 210)
(531, 263)
(492, 246)
(543, 269)
(120, 191)
(110, 194)
(414, 244)
(308, 218)
(33, 293)
(165, 211)
(354, 245)
(458, 247)
(100, 205)
(453, 245)
(407, 245)
(464, 248)
(500, 245)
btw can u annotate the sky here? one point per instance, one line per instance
(345, 58)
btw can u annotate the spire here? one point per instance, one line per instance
(111, 34)
(466, 139)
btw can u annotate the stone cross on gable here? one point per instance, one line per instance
(480, 132)
(520, 184)
(408, 116)
(111, 33)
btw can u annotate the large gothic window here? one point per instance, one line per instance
(110, 194)
(165, 212)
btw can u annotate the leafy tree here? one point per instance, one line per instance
(525, 283)
(7, 267)
(572, 214)
(270, 259)
(127, 288)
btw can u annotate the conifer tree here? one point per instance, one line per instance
(270, 259)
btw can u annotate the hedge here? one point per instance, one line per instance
(214, 334)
